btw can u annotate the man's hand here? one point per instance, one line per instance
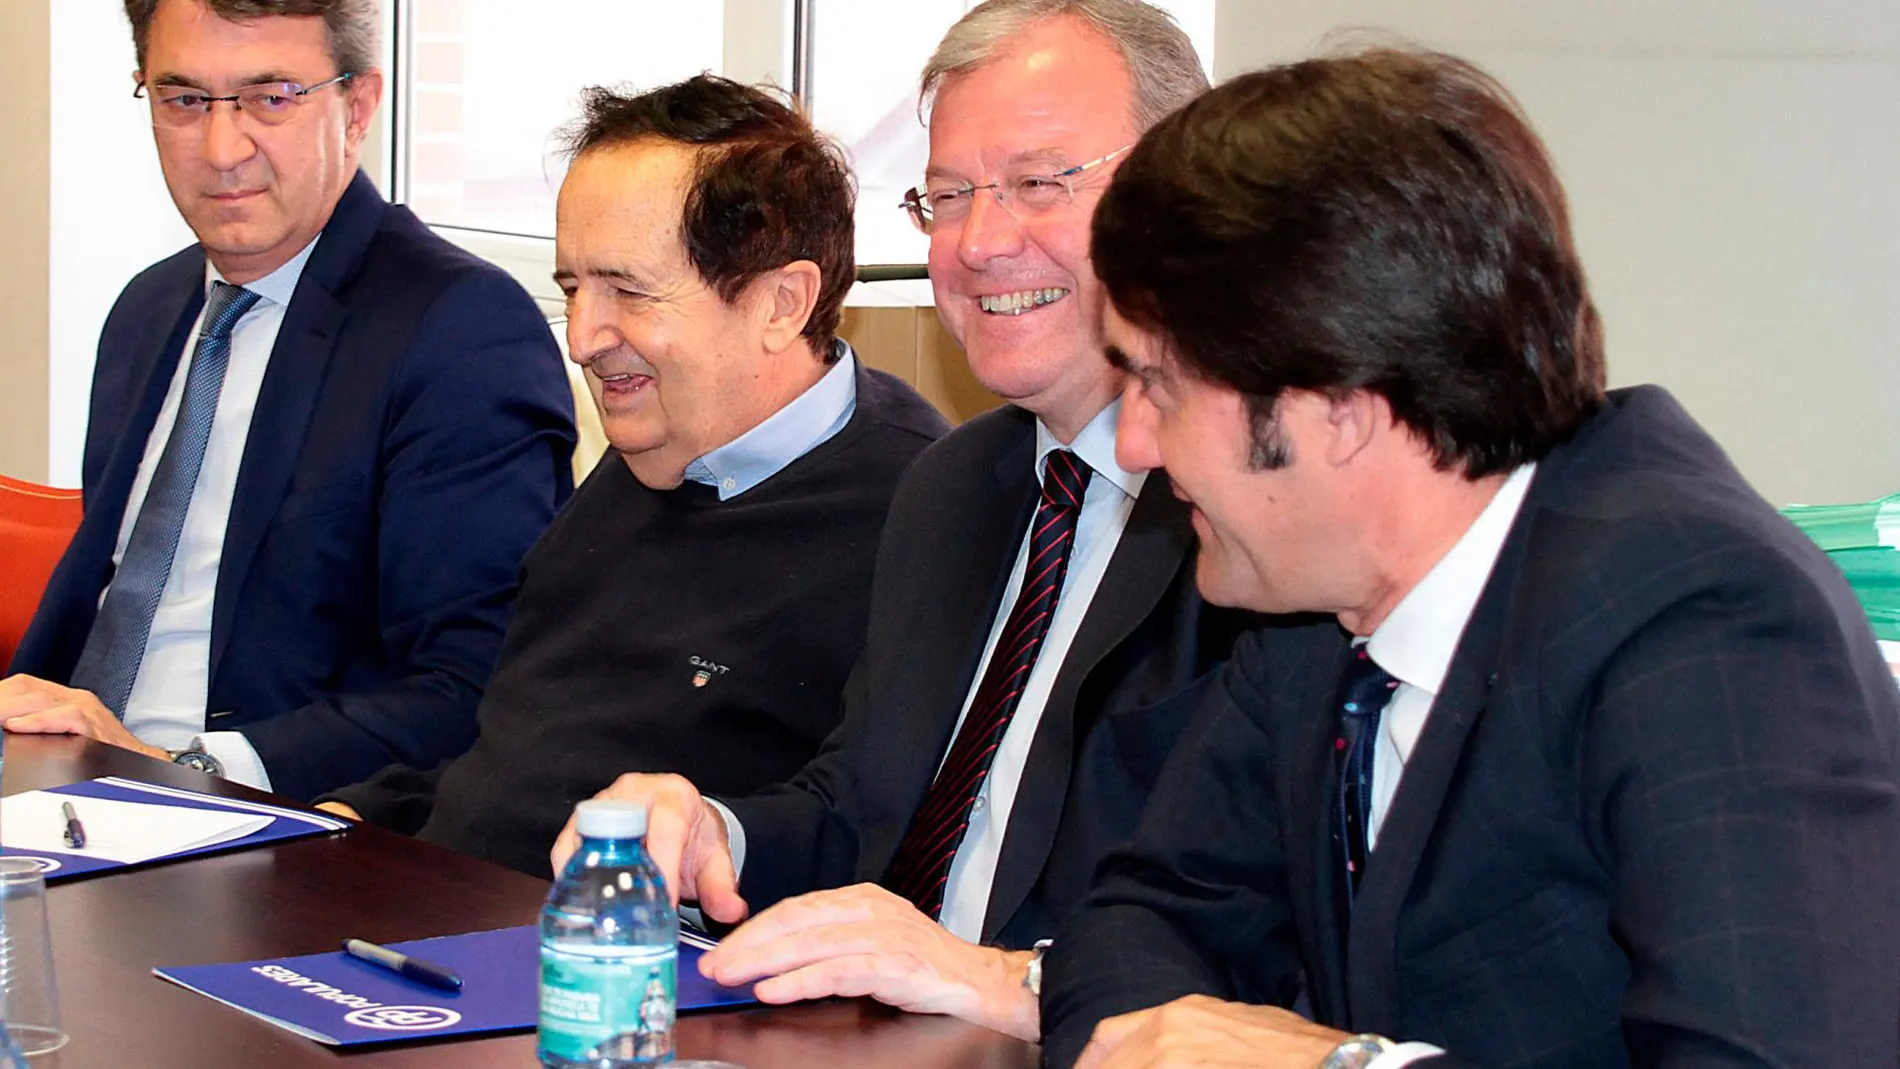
(865, 941)
(686, 838)
(341, 810)
(1208, 1033)
(33, 706)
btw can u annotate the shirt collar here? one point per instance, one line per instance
(1096, 446)
(1416, 642)
(276, 287)
(762, 452)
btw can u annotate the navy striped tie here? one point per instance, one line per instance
(109, 664)
(922, 864)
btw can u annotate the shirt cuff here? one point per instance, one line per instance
(735, 836)
(1403, 1054)
(238, 756)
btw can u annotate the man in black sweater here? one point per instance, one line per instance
(699, 603)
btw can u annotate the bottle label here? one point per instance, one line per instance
(608, 1002)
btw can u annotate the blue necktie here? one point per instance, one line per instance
(109, 664)
(1364, 690)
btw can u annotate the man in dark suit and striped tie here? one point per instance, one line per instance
(1035, 638)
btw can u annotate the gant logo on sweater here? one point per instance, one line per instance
(707, 670)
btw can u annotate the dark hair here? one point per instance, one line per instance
(352, 24)
(1384, 221)
(768, 189)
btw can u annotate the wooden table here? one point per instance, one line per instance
(302, 897)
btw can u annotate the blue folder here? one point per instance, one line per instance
(285, 824)
(341, 1001)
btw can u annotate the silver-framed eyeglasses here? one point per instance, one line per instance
(1022, 195)
(271, 103)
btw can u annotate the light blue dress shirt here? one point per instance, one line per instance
(809, 421)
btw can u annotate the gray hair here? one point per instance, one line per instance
(352, 24)
(1161, 61)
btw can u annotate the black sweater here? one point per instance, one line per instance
(667, 631)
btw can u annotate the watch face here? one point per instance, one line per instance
(1356, 1053)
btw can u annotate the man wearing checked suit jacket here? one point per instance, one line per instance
(1037, 98)
(1591, 761)
(390, 432)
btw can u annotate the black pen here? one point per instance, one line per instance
(422, 972)
(75, 831)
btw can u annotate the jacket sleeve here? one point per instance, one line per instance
(399, 798)
(1204, 873)
(475, 460)
(803, 835)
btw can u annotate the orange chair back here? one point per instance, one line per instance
(36, 522)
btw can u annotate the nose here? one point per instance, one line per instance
(589, 333)
(226, 145)
(989, 232)
(1137, 446)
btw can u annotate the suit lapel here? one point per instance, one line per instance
(153, 360)
(287, 399)
(159, 349)
(1154, 543)
(1307, 684)
(1371, 955)
(981, 535)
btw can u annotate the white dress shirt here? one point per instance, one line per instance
(1416, 644)
(167, 705)
(1106, 504)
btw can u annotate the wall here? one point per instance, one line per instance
(23, 239)
(1731, 166)
(110, 215)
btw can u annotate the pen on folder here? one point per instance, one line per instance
(75, 831)
(422, 972)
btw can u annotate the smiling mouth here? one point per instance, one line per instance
(1015, 304)
(625, 381)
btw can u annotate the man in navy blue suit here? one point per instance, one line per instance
(1578, 755)
(321, 439)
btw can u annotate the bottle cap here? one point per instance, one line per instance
(603, 818)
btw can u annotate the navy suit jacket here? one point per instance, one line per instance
(411, 439)
(1131, 678)
(1652, 821)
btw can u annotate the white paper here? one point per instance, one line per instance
(126, 832)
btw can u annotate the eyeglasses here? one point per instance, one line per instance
(1020, 195)
(271, 103)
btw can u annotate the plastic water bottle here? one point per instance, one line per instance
(609, 949)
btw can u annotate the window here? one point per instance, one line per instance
(487, 85)
(484, 86)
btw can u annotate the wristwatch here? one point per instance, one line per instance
(195, 756)
(1032, 978)
(1356, 1052)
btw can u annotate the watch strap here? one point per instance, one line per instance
(1032, 976)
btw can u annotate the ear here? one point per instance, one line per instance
(1352, 422)
(365, 95)
(786, 297)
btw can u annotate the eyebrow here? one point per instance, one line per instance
(1052, 157)
(612, 273)
(265, 78)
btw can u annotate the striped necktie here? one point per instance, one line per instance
(109, 664)
(922, 863)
